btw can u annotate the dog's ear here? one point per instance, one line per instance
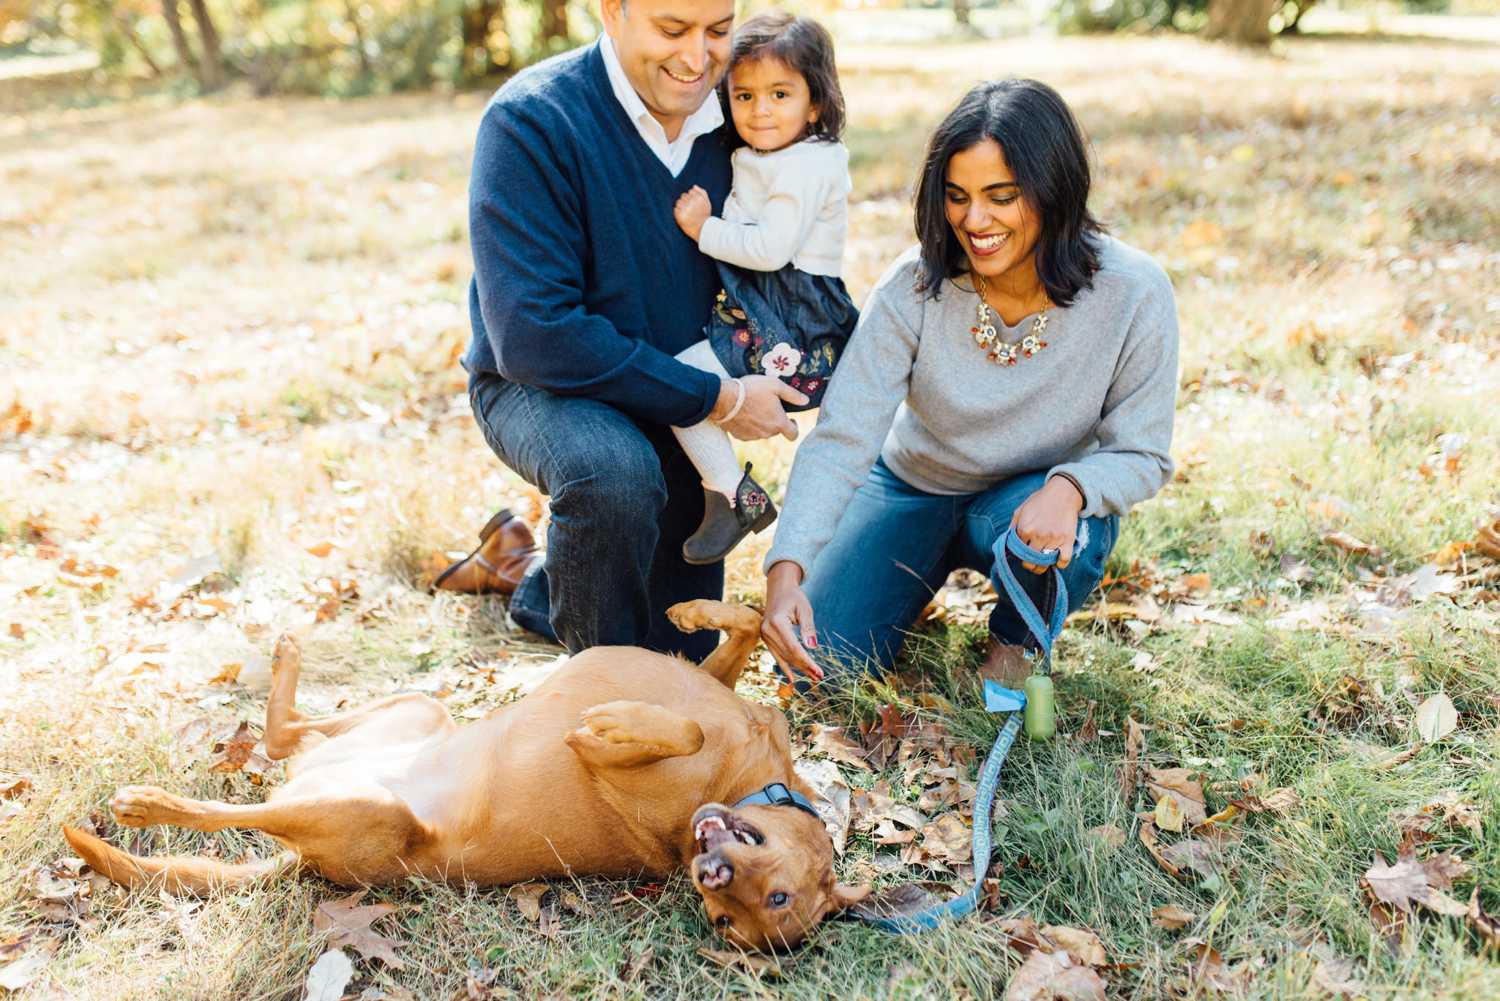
(845, 896)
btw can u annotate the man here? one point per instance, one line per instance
(584, 289)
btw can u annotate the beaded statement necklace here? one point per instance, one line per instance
(988, 338)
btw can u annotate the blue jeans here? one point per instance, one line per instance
(624, 498)
(896, 545)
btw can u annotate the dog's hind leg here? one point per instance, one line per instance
(362, 835)
(287, 729)
(176, 874)
(741, 627)
(626, 734)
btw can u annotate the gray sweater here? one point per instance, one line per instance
(1096, 403)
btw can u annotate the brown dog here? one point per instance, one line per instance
(618, 765)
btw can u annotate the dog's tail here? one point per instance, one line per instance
(177, 874)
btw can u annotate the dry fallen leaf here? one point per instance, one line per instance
(759, 966)
(1436, 718)
(228, 675)
(1487, 925)
(1135, 747)
(529, 901)
(329, 976)
(896, 901)
(1169, 814)
(25, 958)
(948, 840)
(1080, 944)
(1054, 976)
(1193, 855)
(1280, 801)
(1409, 881)
(1351, 545)
(1179, 784)
(348, 923)
(1171, 917)
(834, 743)
(832, 801)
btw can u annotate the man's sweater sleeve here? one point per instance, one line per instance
(871, 381)
(1134, 458)
(797, 192)
(527, 232)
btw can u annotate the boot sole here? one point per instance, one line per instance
(758, 525)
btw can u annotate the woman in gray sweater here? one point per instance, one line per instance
(1017, 367)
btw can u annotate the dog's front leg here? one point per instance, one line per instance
(627, 734)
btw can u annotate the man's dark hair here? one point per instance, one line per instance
(805, 46)
(1048, 157)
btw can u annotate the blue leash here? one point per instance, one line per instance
(997, 699)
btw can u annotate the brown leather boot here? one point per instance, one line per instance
(506, 550)
(1006, 663)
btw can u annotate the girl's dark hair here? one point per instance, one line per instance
(805, 46)
(1047, 156)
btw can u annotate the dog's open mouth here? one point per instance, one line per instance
(715, 828)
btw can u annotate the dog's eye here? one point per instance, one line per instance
(778, 899)
(723, 921)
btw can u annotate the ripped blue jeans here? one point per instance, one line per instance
(895, 546)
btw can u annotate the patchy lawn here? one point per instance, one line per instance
(231, 407)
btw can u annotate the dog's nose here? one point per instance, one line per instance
(715, 873)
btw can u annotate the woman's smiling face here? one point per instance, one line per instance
(996, 226)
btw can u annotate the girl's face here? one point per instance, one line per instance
(770, 103)
(995, 225)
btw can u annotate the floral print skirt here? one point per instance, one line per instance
(786, 323)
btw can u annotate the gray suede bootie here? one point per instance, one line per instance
(724, 526)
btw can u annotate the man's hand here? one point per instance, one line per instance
(1048, 519)
(691, 211)
(762, 414)
(787, 606)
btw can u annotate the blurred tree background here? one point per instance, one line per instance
(354, 47)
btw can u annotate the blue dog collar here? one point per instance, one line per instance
(777, 794)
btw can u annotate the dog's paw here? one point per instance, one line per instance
(142, 806)
(288, 655)
(690, 616)
(610, 721)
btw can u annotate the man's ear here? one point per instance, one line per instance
(845, 895)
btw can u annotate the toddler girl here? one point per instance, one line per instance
(784, 310)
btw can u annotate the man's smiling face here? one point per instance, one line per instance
(673, 52)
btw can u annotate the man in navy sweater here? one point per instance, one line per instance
(584, 289)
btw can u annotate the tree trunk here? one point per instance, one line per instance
(185, 57)
(554, 22)
(352, 12)
(128, 30)
(961, 14)
(479, 20)
(213, 59)
(1244, 22)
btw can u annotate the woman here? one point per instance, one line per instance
(1017, 367)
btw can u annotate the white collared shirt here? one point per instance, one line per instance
(674, 154)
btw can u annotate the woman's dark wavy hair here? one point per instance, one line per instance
(1047, 156)
(805, 46)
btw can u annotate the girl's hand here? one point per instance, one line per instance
(1049, 520)
(786, 606)
(691, 211)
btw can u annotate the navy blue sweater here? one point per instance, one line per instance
(583, 284)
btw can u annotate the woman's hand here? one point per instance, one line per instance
(692, 210)
(1048, 519)
(787, 606)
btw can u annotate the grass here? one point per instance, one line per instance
(234, 323)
